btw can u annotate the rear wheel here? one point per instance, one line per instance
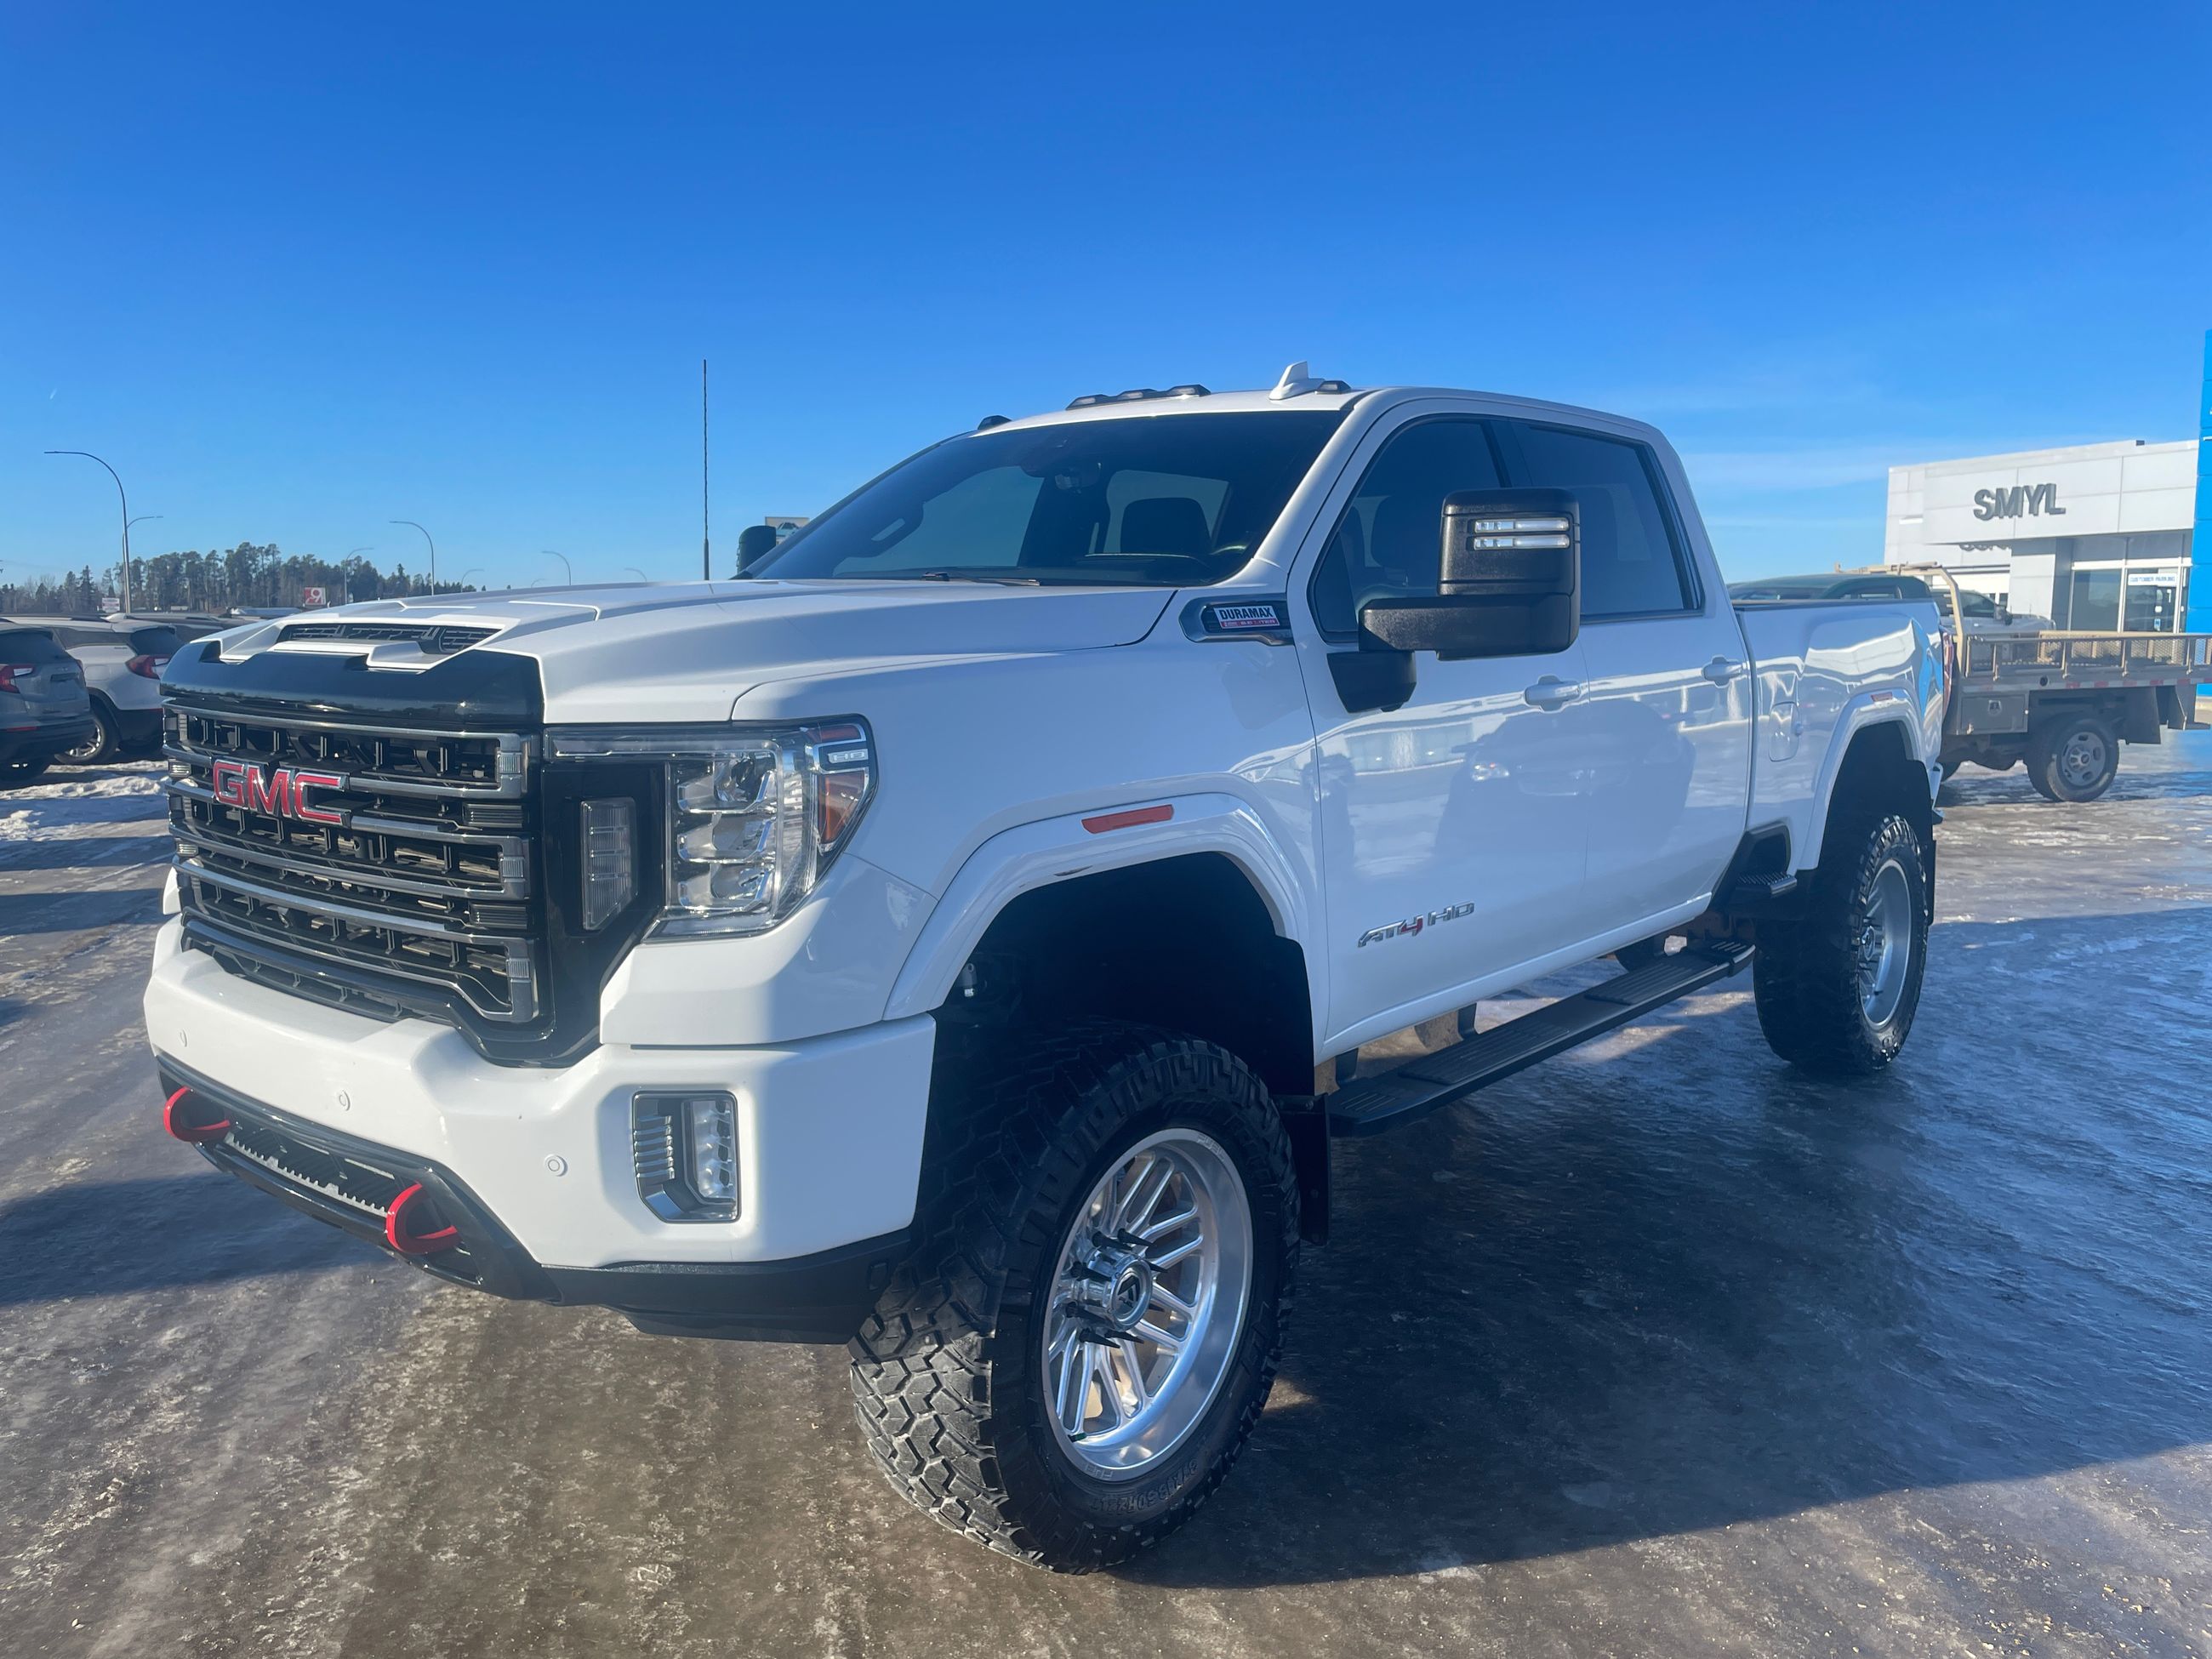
(1079, 1349)
(1838, 987)
(101, 746)
(2073, 759)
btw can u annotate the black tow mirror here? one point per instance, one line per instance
(1507, 581)
(755, 543)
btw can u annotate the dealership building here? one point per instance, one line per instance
(2094, 536)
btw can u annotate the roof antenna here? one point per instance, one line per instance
(1297, 381)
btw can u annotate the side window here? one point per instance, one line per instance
(1387, 540)
(1631, 562)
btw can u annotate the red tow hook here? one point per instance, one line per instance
(402, 1236)
(176, 1118)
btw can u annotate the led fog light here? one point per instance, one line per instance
(685, 1149)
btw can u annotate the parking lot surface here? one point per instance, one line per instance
(1655, 1349)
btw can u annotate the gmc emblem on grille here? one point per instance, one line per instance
(276, 790)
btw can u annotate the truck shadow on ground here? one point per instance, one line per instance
(1632, 1295)
(24, 914)
(85, 852)
(114, 1237)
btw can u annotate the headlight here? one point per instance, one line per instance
(755, 814)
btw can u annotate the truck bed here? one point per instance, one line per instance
(1824, 669)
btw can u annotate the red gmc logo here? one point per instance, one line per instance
(278, 791)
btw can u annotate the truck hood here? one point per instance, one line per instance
(688, 652)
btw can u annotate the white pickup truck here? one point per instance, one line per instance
(944, 939)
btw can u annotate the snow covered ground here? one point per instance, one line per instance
(63, 804)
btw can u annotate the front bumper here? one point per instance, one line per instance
(533, 1164)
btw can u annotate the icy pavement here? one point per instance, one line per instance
(1658, 1349)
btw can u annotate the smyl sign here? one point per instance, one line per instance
(2021, 501)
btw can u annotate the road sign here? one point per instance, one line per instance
(312, 598)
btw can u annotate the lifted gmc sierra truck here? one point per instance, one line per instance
(942, 940)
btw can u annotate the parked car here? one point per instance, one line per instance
(122, 658)
(43, 708)
(191, 625)
(1984, 614)
(928, 942)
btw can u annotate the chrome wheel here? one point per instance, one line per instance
(2081, 761)
(1884, 946)
(1147, 1301)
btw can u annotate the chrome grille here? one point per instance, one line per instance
(408, 860)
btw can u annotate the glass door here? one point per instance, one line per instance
(2154, 601)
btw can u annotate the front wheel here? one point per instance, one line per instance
(1086, 1335)
(1837, 988)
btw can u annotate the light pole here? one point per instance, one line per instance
(567, 576)
(125, 500)
(635, 572)
(465, 575)
(411, 524)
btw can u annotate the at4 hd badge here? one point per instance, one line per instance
(1413, 926)
(1263, 616)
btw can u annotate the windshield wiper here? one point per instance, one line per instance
(971, 576)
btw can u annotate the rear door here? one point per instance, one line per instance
(1668, 711)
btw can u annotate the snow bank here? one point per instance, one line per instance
(66, 806)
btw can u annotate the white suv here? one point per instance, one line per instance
(122, 660)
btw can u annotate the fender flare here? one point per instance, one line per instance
(1863, 713)
(1046, 851)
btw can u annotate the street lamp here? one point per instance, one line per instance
(465, 575)
(127, 520)
(635, 572)
(567, 576)
(411, 524)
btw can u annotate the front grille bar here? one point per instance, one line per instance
(510, 766)
(511, 851)
(506, 788)
(516, 950)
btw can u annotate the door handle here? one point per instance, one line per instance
(1721, 670)
(1551, 693)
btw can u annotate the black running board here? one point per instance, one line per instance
(1416, 1088)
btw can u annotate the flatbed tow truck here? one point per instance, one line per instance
(2062, 702)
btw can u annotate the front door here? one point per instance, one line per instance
(1452, 828)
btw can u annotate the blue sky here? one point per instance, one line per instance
(297, 273)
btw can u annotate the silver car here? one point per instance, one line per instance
(44, 710)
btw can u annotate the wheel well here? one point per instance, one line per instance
(1185, 943)
(1879, 771)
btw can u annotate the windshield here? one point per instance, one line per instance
(1165, 500)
